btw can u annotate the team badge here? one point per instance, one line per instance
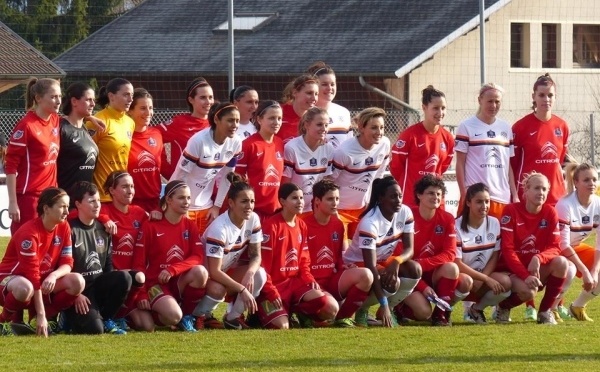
(26, 244)
(136, 224)
(266, 238)
(443, 146)
(324, 161)
(152, 142)
(505, 220)
(186, 234)
(400, 144)
(585, 219)
(558, 132)
(99, 242)
(57, 240)
(369, 161)
(335, 236)
(18, 134)
(247, 233)
(367, 241)
(478, 239)
(54, 132)
(491, 134)
(439, 230)
(217, 156)
(543, 224)
(491, 237)
(312, 162)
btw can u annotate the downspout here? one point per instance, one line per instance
(397, 101)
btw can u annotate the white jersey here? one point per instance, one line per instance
(223, 239)
(200, 162)
(376, 233)
(577, 222)
(340, 125)
(476, 246)
(245, 130)
(305, 167)
(489, 148)
(355, 168)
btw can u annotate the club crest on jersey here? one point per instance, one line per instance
(399, 225)
(312, 162)
(400, 144)
(151, 142)
(266, 238)
(228, 154)
(439, 230)
(186, 234)
(504, 134)
(217, 156)
(57, 240)
(491, 134)
(26, 244)
(543, 224)
(367, 241)
(596, 218)
(443, 146)
(99, 241)
(137, 224)
(54, 132)
(369, 161)
(129, 134)
(278, 155)
(324, 161)
(335, 236)
(585, 219)
(491, 237)
(18, 134)
(558, 132)
(247, 233)
(505, 219)
(238, 240)
(478, 239)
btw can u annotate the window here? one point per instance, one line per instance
(248, 21)
(519, 45)
(550, 45)
(586, 46)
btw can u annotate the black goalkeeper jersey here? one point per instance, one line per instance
(77, 156)
(92, 249)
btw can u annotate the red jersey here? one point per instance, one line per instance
(435, 240)
(129, 226)
(289, 123)
(285, 251)
(34, 252)
(32, 152)
(541, 146)
(262, 163)
(166, 246)
(144, 164)
(176, 133)
(325, 245)
(525, 235)
(417, 153)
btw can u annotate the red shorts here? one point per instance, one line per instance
(290, 291)
(331, 285)
(158, 291)
(427, 277)
(3, 283)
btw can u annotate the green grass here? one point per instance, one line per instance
(518, 346)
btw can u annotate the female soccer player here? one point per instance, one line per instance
(234, 233)
(145, 154)
(261, 160)
(435, 251)
(340, 123)
(357, 163)
(423, 148)
(308, 157)
(530, 250)
(178, 131)
(208, 152)
(483, 151)
(37, 265)
(245, 98)
(114, 142)
(169, 252)
(578, 216)
(300, 95)
(383, 243)
(477, 251)
(326, 244)
(78, 152)
(286, 259)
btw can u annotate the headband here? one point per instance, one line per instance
(197, 85)
(177, 186)
(268, 107)
(319, 70)
(223, 108)
(114, 182)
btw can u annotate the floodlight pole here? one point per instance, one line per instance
(230, 44)
(482, 40)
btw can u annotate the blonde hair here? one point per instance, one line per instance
(308, 117)
(38, 87)
(486, 88)
(296, 85)
(530, 176)
(572, 171)
(363, 117)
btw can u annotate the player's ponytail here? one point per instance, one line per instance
(379, 187)
(37, 88)
(238, 184)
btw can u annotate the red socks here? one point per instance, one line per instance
(190, 298)
(512, 301)
(312, 307)
(553, 288)
(11, 306)
(60, 301)
(354, 300)
(445, 288)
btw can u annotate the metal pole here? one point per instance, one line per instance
(230, 44)
(482, 39)
(592, 145)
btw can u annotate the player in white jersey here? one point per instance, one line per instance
(225, 240)
(307, 158)
(245, 98)
(207, 153)
(484, 146)
(358, 162)
(578, 216)
(477, 251)
(383, 243)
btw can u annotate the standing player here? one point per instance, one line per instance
(308, 157)
(245, 98)
(483, 151)
(357, 163)
(37, 266)
(530, 250)
(261, 160)
(300, 95)
(477, 251)
(181, 128)
(340, 123)
(423, 148)
(383, 243)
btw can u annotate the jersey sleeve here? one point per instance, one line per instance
(449, 141)
(289, 161)
(17, 148)
(243, 159)
(214, 241)
(564, 224)
(462, 138)
(552, 248)
(507, 246)
(256, 236)
(28, 260)
(340, 161)
(140, 252)
(399, 154)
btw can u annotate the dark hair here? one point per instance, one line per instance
(308, 117)
(471, 191)
(219, 110)
(191, 90)
(113, 86)
(296, 85)
(238, 184)
(137, 94)
(320, 68)
(322, 187)
(170, 190)
(261, 110)
(429, 93)
(111, 180)
(426, 181)
(286, 189)
(544, 80)
(37, 87)
(48, 197)
(80, 189)
(363, 117)
(75, 90)
(378, 190)
(239, 92)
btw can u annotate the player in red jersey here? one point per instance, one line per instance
(286, 258)
(169, 252)
(435, 251)
(178, 131)
(261, 160)
(530, 250)
(145, 154)
(423, 148)
(128, 219)
(37, 266)
(245, 98)
(326, 243)
(300, 95)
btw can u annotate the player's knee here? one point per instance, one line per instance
(363, 279)
(75, 283)
(411, 269)
(215, 290)
(23, 291)
(449, 270)
(465, 283)
(199, 275)
(330, 309)
(171, 318)
(559, 265)
(422, 311)
(504, 281)
(526, 294)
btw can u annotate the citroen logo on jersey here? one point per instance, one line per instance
(549, 149)
(175, 253)
(366, 178)
(46, 262)
(91, 157)
(494, 154)
(291, 256)
(528, 242)
(126, 242)
(146, 158)
(324, 254)
(271, 171)
(309, 182)
(432, 162)
(428, 249)
(53, 151)
(92, 261)
(479, 261)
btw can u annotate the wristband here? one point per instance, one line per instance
(243, 289)
(383, 301)
(399, 260)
